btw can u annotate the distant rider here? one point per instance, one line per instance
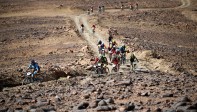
(36, 68)
(116, 60)
(123, 54)
(133, 59)
(114, 43)
(92, 9)
(102, 49)
(82, 27)
(93, 28)
(102, 60)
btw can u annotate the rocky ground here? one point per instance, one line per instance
(116, 92)
(162, 34)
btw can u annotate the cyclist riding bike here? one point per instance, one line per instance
(93, 28)
(116, 60)
(102, 47)
(123, 54)
(82, 27)
(88, 11)
(114, 43)
(36, 68)
(133, 61)
(123, 49)
(91, 9)
(110, 39)
(102, 60)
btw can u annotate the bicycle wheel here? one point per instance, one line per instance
(26, 80)
(106, 70)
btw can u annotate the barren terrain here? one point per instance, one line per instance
(161, 33)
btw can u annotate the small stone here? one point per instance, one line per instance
(185, 99)
(82, 105)
(102, 108)
(57, 98)
(3, 109)
(49, 109)
(112, 107)
(109, 101)
(168, 95)
(94, 104)
(180, 104)
(100, 96)
(144, 94)
(102, 103)
(125, 82)
(158, 110)
(130, 107)
(86, 96)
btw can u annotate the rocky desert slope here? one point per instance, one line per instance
(162, 34)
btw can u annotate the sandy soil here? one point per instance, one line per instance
(162, 34)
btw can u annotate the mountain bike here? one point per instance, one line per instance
(100, 69)
(114, 68)
(40, 77)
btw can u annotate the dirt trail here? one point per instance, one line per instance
(185, 3)
(92, 39)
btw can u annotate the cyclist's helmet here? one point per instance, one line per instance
(100, 42)
(33, 61)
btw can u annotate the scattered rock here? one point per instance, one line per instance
(86, 96)
(130, 106)
(102, 103)
(103, 108)
(125, 82)
(94, 104)
(185, 99)
(180, 104)
(4, 109)
(109, 101)
(144, 94)
(83, 105)
(168, 95)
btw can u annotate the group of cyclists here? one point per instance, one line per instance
(131, 6)
(117, 54)
(100, 9)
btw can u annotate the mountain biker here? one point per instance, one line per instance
(130, 6)
(88, 11)
(123, 49)
(122, 7)
(110, 39)
(91, 9)
(132, 60)
(102, 60)
(116, 60)
(93, 28)
(102, 47)
(82, 27)
(114, 43)
(136, 6)
(113, 50)
(123, 54)
(99, 9)
(103, 8)
(34, 65)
